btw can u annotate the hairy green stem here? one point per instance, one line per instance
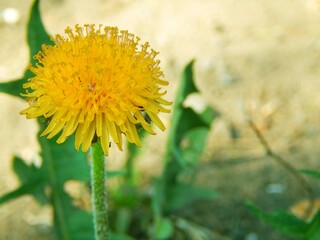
(99, 193)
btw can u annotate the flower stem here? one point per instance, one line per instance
(99, 193)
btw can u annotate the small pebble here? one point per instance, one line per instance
(275, 188)
(252, 236)
(10, 15)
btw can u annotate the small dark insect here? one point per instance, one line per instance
(95, 139)
(146, 117)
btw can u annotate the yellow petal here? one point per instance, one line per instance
(89, 136)
(56, 129)
(99, 124)
(105, 136)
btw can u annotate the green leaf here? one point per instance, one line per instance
(24, 171)
(30, 175)
(288, 224)
(24, 189)
(284, 222)
(125, 196)
(313, 231)
(187, 134)
(67, 162)
(186, 120)
(119, 173)
(80, 223)
(36, 37)
(133, 152)
(159, 194)
(33, 182)
(194, 138)
(311, 173)
(187, 85)
(123, 218)
(116, 236)
(164, 229)
(36, 32)
(13, 87)
(186, 143)
(61, 163)
(180, 195)
(193, 148)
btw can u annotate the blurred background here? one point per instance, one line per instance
(254, 59)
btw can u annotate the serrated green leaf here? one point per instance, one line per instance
(36, 32)
(70, 222)
(186, 124)
(194, 138)
(61, 163)
(187, 86)
(13, 87)
(288, 224)
(186, 120)
(284, 222)
(30, 175)
(68, 163)
(185, 145)
(26, 172)
(25, 189)
(36, 37)
(192, 149)
(180, 195)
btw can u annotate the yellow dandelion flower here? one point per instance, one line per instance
(96, 82)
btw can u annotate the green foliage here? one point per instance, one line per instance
(36, 34)
(186, 123)
(180, 195)
(187, 126)
(311, 173)
(32, 182)
(151, 215)
(136, 212)
(59, 162)
(288, 224)
(133, 152)
(164, 229)
(148, 212)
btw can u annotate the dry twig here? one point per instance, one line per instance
(297, 175)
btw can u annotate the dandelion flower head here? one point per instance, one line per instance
(96, 82)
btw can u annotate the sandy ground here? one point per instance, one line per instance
(257, 59)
